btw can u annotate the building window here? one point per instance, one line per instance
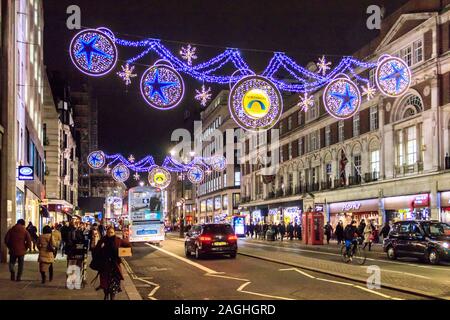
(406, 55)
(400, 148)
(313, 111)
(290, 150)
(373, 118)
(236, 200)
(313, 144)
(411, 146)
(375, 161)
(418, 51)
(356, 125)
(413, 53)
(224, 180)
(341, 130)
(299, 117)
(372, 77)
(281, 127)
(327, 136)
(281, 154)
(328, 172)
(237, 178)
(290, 123)
(300, 146)
(357, 165)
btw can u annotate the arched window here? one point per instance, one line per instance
(410, 106)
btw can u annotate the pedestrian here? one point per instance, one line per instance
(349, 236)
(328, 231)
(265, 228)
(368, 235)
(290, 230)
(46, 245)
(32, 230)
(64, 236)
(252, 229)
(94, 237)
(282, 230)
(339, 232)
(361, 227)
(56, 235)
(298, 231)
(385, 230)
(101, 229)
(18, 241)
(107, 249)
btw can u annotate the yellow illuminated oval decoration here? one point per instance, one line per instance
(256, 103)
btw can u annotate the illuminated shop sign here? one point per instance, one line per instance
(26, 173)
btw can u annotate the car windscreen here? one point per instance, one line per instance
(218, 229)
(437, 229)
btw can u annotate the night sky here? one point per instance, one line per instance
(304, 29)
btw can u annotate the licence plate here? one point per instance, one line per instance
(219, 243)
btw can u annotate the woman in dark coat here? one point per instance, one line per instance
(107, 250)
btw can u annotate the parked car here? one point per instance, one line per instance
(426, 240)
(210, 239)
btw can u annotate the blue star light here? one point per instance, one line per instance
(89, 49)
(346, 98)
(197, 175)
(156, 86)
(95, 160)
(398, 74)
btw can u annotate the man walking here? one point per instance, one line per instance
(18, 241)
(328, 231)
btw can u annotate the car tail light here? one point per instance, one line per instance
(232, 238)
(205, 239)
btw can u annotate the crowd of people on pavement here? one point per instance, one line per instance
(63, 237)
(367, 231)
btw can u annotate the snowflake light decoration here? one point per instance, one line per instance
(162, 87)
(107, 169)
(127, 73)
(203, 95)
(188, 54)
(96, 159)
(159, 177)
(196, 175)
(255, 103)
(131, 158)
(342, 98)
(306, 102)
(136, 176)
(393, 76)
(120, 173)
(93, 52)
(323, 65)
(369, 91)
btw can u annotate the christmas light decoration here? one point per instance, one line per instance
(96, 159)
(218, 163)
(131, 158)
(323, 65)
(127, 73)
(342, 98)
(306, 102)
(162, 87)
(159, 178)
(136, 176)
(255, 103)
(369, 91)
(188, 54)
(203, 95)
(93, 52)
(196, 175)
(392, 76)
(107, 169)
(120, 173)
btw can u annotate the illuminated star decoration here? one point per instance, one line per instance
(203, 95)
(188, 54)
(136, 176)
(156, 87)
(346, 98)
(127, 73)
(107, 169)
(120, 173)
(195, 175)
(398, 74)
(323, 65)
(96, 159)
(369, 91)
(306, 102)
(88, 49)
(131, 158)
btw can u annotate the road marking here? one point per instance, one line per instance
(135, 277)
(240, 289)
(212, 273)
(338, 255)
(408, 273)
(342, 283)
(192, 263)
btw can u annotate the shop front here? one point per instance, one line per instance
(275, 215)
(410, 207)
(355, 210)
(445, 207)
(292, 215)
(259, 215)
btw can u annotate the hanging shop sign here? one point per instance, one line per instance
(26, 173)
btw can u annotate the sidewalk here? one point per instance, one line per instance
(30, 288)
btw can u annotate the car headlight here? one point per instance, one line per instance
(445, 245)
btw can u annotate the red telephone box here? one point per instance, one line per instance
(313, 228)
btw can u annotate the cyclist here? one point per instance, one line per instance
(350, 232)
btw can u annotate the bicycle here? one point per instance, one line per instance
(356, 252)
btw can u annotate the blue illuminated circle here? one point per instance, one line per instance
(120, 173)
(196, 175)
(392, 76)
(96, 159)
(162, 87)
(342, 98)
(218, 163)
(93, 52)
(159, 177)
(255, 103)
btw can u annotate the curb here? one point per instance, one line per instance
(129, 287)
(334, 274)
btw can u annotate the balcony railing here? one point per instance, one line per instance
(326, 185)
(279, 193)
(354, 180)
(371, 176)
